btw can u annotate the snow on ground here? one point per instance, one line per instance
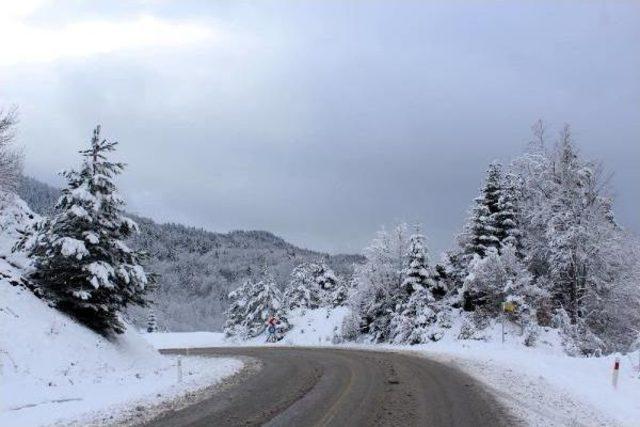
(311, 328)
(166, 340)
(53, 370)
(541, 385)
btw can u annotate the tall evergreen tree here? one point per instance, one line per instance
(82, 264)
(493, 225)
(506, 219)
(417, 275)
(481, 231)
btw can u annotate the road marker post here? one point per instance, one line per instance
(179, 365)
(616, 372)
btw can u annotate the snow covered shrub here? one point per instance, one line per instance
(473, 327)
(531, 334)
(350, 329)
(82, 264)
(336, 338)
(577, 338)
(467, 330)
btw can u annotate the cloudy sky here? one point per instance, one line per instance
(320, 121)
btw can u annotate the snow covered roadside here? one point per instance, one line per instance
(55, 371)
(548, 389)
(542, 385)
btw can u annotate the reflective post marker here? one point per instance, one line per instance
(179, 369)
(616, 371)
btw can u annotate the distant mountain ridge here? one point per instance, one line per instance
(197, 267)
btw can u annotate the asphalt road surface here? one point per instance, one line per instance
(339, 387)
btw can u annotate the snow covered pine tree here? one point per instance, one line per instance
(413, 314)
(303, 291)
(491, 226)
(82, 264)
(333, 289)
(152, 324)
(251, 305)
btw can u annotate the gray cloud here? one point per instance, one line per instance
(321, 121)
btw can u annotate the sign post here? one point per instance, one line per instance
(507, 307)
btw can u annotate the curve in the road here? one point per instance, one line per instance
(339, 387)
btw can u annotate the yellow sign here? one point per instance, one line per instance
(509, 306)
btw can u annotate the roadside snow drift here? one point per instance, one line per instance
(310, 328)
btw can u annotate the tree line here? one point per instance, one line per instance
(541, 239)
(541, 247)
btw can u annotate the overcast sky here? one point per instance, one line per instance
(320, 121)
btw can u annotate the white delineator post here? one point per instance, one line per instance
(179, 365)
(616, 372)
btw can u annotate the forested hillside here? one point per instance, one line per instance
(197, 268)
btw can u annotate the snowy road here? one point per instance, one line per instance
(338, 387)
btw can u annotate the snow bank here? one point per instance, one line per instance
(314, 327)
(166, 340)
(310, 328)
(547, 387)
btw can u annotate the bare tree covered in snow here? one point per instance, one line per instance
(10, 157)
(575, 249)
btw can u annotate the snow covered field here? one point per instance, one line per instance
(541, 385)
